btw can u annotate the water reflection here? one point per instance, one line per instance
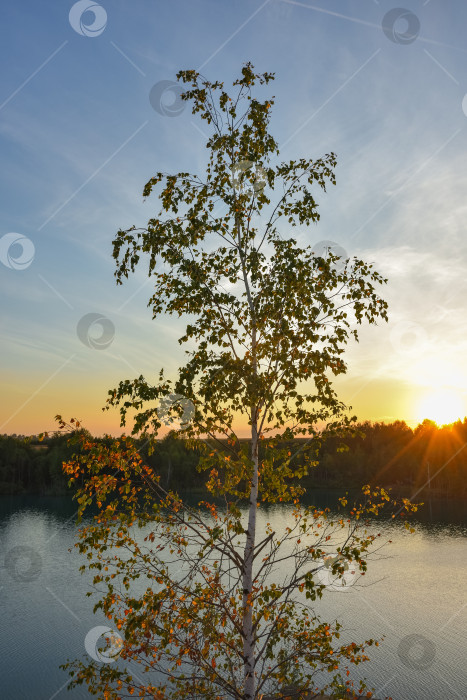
(414, 595)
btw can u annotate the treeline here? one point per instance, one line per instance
(28, 465)
(429, 458)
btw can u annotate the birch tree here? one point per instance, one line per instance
(229, 611)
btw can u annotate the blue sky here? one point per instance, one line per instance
(79, 138)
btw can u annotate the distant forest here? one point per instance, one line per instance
(381, 454)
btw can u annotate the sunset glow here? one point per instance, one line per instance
(442, 406)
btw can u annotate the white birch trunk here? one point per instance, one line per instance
(248, 641)
(249, 687)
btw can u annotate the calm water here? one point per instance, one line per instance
(416, 596)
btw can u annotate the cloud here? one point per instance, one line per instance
(425, 340)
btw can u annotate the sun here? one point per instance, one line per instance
(442, 406)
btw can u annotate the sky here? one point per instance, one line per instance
(84, 124)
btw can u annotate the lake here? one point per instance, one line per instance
(415, 595)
